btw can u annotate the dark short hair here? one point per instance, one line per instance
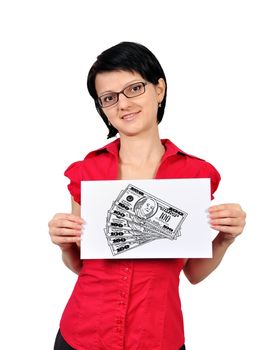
(127, 56)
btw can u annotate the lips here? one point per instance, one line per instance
(129, 116)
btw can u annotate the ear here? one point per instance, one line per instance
(160, 88)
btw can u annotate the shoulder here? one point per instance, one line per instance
(189, 159)
(204, 167)
(191, 166)
(101, 157)
(112, 147)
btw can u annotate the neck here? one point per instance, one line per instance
(140, 149)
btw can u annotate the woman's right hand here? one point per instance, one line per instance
(65, 230)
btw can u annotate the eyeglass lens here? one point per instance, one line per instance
(130, 91)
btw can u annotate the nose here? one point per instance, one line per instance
(123, 101)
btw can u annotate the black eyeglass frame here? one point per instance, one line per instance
(99, 101)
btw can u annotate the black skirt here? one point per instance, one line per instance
(60, 343)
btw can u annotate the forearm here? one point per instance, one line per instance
(198, 269)
(71, 258)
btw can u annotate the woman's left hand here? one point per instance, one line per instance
(228, 219)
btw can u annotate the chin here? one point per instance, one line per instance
(131, 131)
(134, 130)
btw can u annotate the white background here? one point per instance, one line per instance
(217, 59)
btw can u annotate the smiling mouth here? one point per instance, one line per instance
(129, 116)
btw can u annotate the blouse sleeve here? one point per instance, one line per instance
(215, 180)
(74, 173)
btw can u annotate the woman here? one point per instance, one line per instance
(132, 304)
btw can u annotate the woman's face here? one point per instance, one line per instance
(130, 116)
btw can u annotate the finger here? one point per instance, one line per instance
(226, 221)
(232, 230)
(62, 240)
(69, 217)
(65, 232)
(68, 224)
(225, 213)
(227, 206)
(64, 223)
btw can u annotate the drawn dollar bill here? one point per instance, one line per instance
(137, 217)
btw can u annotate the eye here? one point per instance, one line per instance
(135, 89)
(107, 100)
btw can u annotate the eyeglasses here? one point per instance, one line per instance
(111, 98)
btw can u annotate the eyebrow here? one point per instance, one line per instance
(125, 86)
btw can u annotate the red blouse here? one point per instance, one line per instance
(128, 304)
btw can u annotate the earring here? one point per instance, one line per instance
(159, 105)
(109, 123)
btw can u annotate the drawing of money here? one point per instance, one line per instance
(137, 217)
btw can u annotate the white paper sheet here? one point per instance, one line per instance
(116, 229)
